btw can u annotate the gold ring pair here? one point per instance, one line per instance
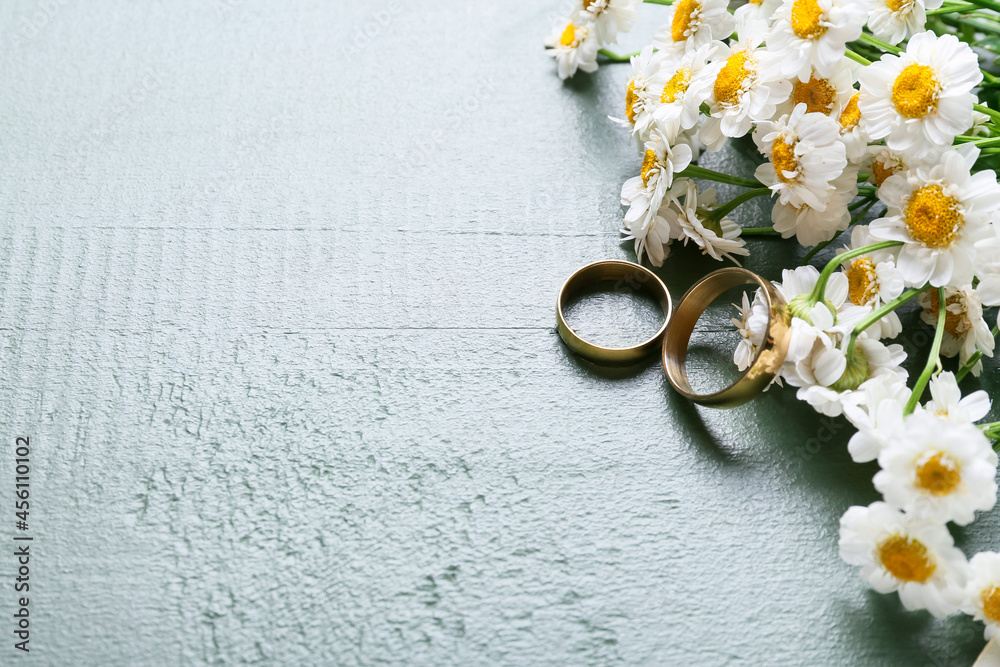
(675, 332)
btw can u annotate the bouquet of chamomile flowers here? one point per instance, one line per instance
(862, 110)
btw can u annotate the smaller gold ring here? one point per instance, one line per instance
(766, 363)
(627, 276)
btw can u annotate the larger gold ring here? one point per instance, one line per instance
(627, 276)
(766, 363)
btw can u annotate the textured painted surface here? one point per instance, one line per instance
(276, 311)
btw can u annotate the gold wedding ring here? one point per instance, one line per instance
(628, 277)
(768, 359)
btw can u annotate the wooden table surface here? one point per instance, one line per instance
(276, 312)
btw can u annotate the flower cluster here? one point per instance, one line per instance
(592, 24)
(936, 467)
(872, 116)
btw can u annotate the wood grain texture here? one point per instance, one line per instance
(276, 305)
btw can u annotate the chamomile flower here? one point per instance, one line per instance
(919, 100)
(948, 403)
(982, 592)
(811, 226)
(805, 155)
(811, 35)
(821, 94)
(574, 47)
(652, 236)
(752, 327)
(744, 89)
(938, 469)
(808, 323)
(965, 330)
(916, 557)
(682, 86)
(834, 377)
(852, 132)
(877, 413)
(880, 163)
(608, 17)
(692, 24)
(816, 324)
(718, 239)
(873, 280)
(643, 93)
(938, 213)
(644, 193)
(893, 20)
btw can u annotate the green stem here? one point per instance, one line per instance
(995, 115)
(979, 141)
(861, 202)
(861, 60)
(867, 190)
(988, 4)
(832, 265)
(880, 313)
(658, 2)
(950, 8)
(618, 57)
(757, 230)
(724, 210)
(856, 219)
(933, 359)
(973, 360)
(979, 25)
(878, 43)
(694, 171)
(991, 431)
(812, 253)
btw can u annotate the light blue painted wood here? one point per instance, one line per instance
(276, 308)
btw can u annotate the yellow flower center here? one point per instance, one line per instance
(816, 94)
(783, 159)
(932, 217)
(915, 91)
(882, 172)
(677, 85)
(587, 4)
(898, 5)
(568, 36)
(953, 322)
(906, 559)
(807, 19)
(851, 115)
(630, 99)
(649, 163)
(729, 83)
(861, 288)
(939, 474)
(684, 14)
(991, 604)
